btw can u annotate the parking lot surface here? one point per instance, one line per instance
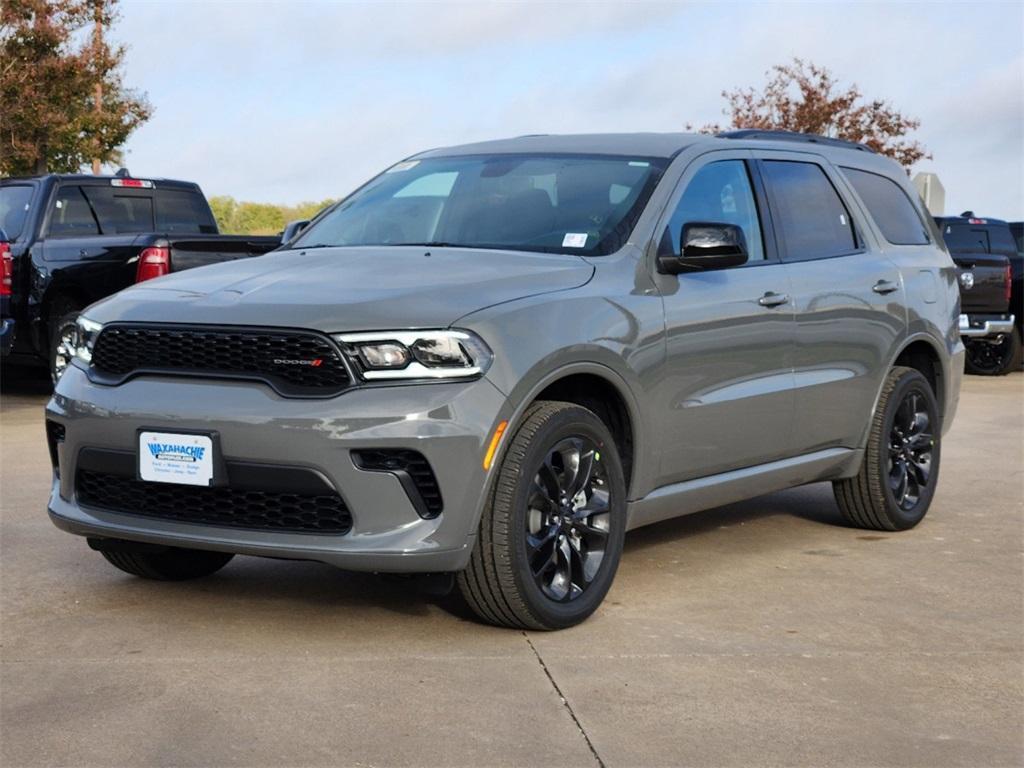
(762, 633)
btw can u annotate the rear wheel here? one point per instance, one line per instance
(987, 359)
(171, 564)
(550, 539)
(896, 482)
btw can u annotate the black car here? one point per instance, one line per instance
(990, 324)
(69, 240)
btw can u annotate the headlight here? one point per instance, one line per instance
(417, 354)
(87, 333)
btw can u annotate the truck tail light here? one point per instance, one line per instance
(1007, 285)
(6, 269)
(153, 262)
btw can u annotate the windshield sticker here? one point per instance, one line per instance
(574, 240)
(639, 164)
(405, 165)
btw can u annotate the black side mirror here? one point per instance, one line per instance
(292, 229)
(706, 245)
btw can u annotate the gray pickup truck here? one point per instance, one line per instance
(491, 360)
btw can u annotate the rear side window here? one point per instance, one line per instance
(889, 206)
(14, 204)
(807, 210)
(183, 211)
(71, 215)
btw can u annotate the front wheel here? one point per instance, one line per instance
(551, 536)
(63, 333)
(896, 482)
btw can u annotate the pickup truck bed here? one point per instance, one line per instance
(70, 240)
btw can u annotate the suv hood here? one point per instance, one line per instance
(346, 289)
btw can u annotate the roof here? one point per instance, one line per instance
(89, 178)
(972, 218)
(664, 145)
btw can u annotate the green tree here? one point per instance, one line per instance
(62, 101)
(224, 209)
(807, 98)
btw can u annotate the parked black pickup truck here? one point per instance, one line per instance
(982, 249)
(69, 240)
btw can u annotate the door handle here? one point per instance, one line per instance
(885, 286)
(772, 299)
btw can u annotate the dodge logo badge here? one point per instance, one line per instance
(967, 280)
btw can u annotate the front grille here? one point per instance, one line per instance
(235, 508)
(422, 487)
(297, 363)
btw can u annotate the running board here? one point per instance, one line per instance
(717, 490)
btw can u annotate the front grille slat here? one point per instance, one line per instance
(222, 506)
(295, 363)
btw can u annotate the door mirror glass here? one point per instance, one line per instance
(707, 245)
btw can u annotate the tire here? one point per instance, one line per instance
(872, 498)
(500, 584)
(64, 313)
(171, 564)
(985, 359)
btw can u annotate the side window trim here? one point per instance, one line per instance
(695, 166)
(860, 244)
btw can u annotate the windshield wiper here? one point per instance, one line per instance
(434, 244)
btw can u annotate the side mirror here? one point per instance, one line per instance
(292, 229)
(706, 245)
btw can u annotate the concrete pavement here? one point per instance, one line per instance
(762, 633)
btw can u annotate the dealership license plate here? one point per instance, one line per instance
(169, 457)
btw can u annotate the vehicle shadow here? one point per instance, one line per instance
(17, 381)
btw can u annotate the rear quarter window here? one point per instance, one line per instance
(889, 206)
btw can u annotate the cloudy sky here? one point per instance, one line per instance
(283, 102)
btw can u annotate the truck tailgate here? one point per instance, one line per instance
(199, 250)
(988, 293)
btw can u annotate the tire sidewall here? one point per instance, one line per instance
(911, 381)
(572, 422)
(65, 320)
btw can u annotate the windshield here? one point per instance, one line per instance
(578, 204)
(14, 202)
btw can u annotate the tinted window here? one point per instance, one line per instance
(1017, 229)
(183, 211)
(14, 203)
(807, 211)
(550, 203)
(71, 214)
(1001, 240)
(966, 238)
(720, 193)
(889, 207)
(121, 212)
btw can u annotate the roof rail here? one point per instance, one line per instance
(809, 138)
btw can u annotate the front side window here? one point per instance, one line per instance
(579, 204)
(807, 211)
(71, 215)
(889, 206)
(719, 193)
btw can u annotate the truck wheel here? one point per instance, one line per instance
(551, 536)
(171, 564)
(897, 479)
(986, 359)
(62, 331)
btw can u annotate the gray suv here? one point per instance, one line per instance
(493, 360)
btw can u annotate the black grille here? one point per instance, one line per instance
(235, 508)
(292, 362)
(54, 437)
(424, 492)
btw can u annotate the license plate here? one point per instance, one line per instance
(172, 457)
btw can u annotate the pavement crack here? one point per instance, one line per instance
(565, 701)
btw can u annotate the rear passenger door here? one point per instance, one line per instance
(847, 297)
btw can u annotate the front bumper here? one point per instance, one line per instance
(985, 326)
(450, 424)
